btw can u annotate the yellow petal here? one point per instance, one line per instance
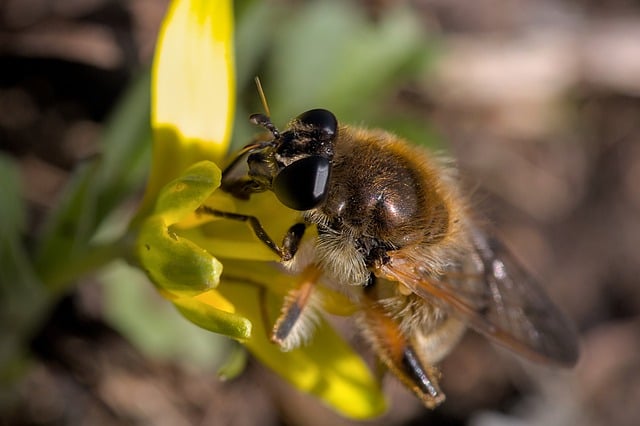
(215, 299)
(193, 89)
(326, 368)
(213, 312)
(235, 240)
(193, 76)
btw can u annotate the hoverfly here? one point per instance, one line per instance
(395, 234)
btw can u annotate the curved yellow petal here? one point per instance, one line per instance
(193, 89)
(236, 240)
(211, 311)
(326, 368)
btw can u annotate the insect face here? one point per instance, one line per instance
(296, 164)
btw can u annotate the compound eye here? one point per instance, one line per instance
(303, 184)
(322, 120)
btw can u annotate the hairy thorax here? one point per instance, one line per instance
(379, 200)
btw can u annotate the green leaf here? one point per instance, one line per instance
(68, 228)
(22, 296)
(235, 363)
(137, 311)
(126, 142)
(11, 205)
(21, 292)
(98, 188)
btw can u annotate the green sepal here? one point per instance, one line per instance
(182, 196)
(210, 318)
(173, 263)
(181, 269)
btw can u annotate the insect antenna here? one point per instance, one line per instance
(263, 97)
(263, 120)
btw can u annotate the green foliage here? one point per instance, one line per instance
(137, 311)
(330, 55)
(22, 296)
(96, 191)
(176, 264)
(32, 278)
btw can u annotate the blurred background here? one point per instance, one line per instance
(538, 102)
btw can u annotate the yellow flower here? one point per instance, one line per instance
(193, 91)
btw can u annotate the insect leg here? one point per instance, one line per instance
(399, 354)
(293, 324)
(290, 241)
(235, 181)
(241, 155)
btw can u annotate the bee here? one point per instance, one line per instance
(394, 233)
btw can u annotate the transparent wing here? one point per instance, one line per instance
(496, 297)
